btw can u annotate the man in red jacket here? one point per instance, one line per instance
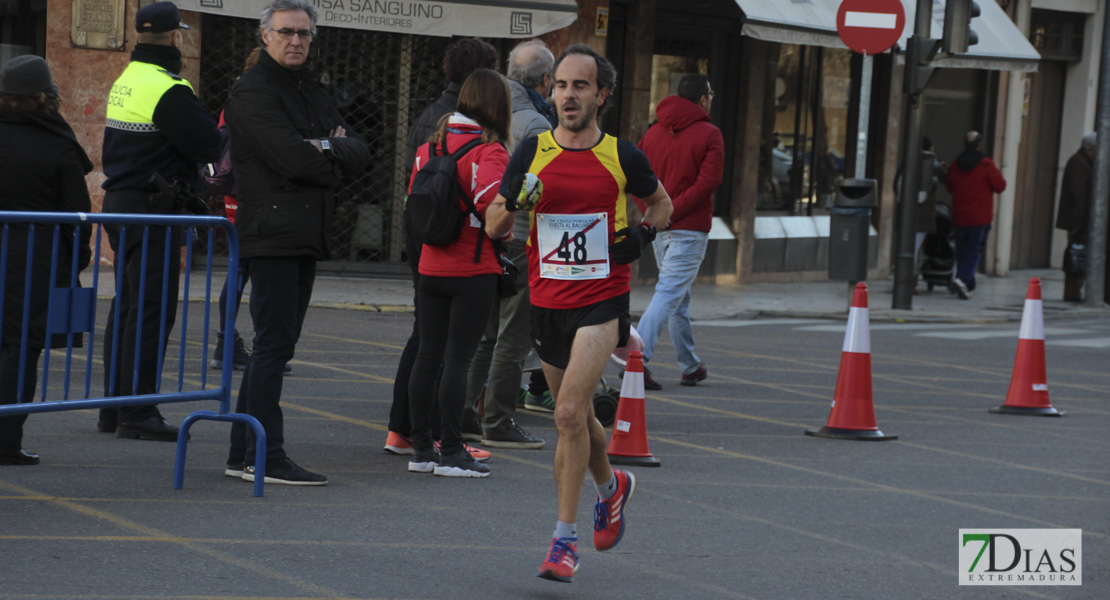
(687, 153)
(973, 180)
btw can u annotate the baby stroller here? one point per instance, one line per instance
(606, 398)
(939, 248)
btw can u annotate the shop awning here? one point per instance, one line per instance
(1001, 47)
(484, 18)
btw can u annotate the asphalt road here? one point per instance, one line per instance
(744, 505)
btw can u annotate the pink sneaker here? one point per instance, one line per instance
(476, 453)
(398, 444)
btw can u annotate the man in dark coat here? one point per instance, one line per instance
(1075, 207)
(43, 168)
(289, 147)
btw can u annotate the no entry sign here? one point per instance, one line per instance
(870, 26)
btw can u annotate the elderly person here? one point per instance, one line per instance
(1075, 207)
(43, 168)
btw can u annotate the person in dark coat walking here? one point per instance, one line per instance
(43, 168)
(1075, 207)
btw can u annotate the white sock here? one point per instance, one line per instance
(607, 490)
(565, 530)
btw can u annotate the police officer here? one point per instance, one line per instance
(155, 124)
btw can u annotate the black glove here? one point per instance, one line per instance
(632, 246)
(524, 192)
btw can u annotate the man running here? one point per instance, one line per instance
(579, 248)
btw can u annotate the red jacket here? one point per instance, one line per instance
(973, 180)
(480, 172)
(687, 153)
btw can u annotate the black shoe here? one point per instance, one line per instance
(649, 383)
(471, 428)
(235, 469)
(286, 472)
(511, 436)
(240, 356)
(423, 461)
(287, 370)
(106, 426)
(155, 428)
(19, 457)
(461, 464)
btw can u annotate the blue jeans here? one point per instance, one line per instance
(679, 254)
(970, 243)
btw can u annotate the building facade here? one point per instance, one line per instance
(788, 102)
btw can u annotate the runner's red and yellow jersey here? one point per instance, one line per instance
(585, 198)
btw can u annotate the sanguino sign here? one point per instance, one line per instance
(1021, 557)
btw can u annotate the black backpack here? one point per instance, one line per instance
(432, 214)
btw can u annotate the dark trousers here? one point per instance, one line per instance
(452, 313)
(280, 291)
(970, 243)
(11, 427)
(399, 412)
(243, 263)
(1073, 282)
(138, 353)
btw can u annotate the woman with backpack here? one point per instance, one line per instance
(458, 279)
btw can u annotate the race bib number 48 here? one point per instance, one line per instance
(573, 246)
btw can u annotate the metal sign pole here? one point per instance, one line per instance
(864, 116)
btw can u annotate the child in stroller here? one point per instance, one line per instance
(939, 248)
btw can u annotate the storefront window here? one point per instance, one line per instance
(805, 124)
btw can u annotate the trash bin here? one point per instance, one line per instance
(849, 227)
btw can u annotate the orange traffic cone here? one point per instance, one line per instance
(629, 445)
(1028, 393)
(852, 416)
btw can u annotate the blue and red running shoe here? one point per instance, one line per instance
(609, 514)
(562, 560)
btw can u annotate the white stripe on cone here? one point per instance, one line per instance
(857, 337)
(633, 385)
(1032, 321)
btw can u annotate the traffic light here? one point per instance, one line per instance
(958, 34)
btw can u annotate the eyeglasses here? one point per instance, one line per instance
(711, 94)
(287, 34)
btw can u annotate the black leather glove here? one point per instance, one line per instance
(524, 192)
(632, 246)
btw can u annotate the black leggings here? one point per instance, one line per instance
(450, 313)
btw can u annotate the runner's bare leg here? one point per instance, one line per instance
(582, 439)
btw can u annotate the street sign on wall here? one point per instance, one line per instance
(870, 26)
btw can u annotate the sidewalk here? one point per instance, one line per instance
(997, 299)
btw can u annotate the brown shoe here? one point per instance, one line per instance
(698, 375)
(649, 383)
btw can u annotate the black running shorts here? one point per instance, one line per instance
(553, 330)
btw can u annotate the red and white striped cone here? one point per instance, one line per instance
(629, 444)
(1028, 394)
(852, 416)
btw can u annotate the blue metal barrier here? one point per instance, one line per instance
(72, 311)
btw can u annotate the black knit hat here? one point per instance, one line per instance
(27, 75)
(159, 17)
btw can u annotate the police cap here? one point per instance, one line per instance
(158, 18)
